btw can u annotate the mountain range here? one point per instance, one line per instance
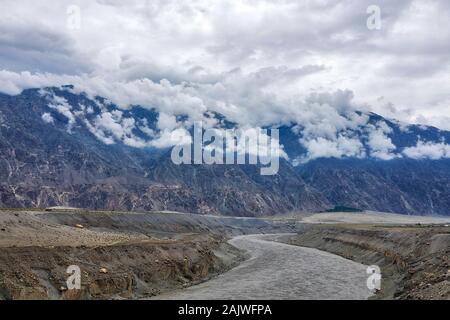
(59, 147)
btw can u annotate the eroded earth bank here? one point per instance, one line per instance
(121, 255)
(414, 259)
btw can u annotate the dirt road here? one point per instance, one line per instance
(281, 271)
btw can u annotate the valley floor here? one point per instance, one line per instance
(125, 255)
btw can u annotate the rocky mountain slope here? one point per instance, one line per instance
(58, 147)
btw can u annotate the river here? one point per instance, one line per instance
(281, 271)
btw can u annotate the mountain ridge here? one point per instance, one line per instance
(69, 158)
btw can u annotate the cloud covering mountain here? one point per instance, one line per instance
(363, 114)
(258, 62)
(62, 148)
(325, 125)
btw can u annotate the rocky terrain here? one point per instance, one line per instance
(135, 255)
(121, 255)
(414, 259)
(52, 154)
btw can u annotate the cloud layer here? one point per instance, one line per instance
(257, 62)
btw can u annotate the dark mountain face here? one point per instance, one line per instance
(50, 156)
(402, 186)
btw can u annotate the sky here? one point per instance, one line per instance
(255, 61)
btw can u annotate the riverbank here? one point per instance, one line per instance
(414, 259)
(121, 255)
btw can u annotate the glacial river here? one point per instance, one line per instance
(281, 271)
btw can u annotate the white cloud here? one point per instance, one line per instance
(428, 150)
(256, 62)
(111, 127)
(239, 54)
(169, 138)
(166, 121)
(62, 106)
(47, 117)
(380, 144)
(99, 134)
(340, 147)
(327, 127)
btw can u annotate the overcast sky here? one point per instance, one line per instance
(255, 61)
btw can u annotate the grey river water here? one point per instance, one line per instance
(280, 271)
